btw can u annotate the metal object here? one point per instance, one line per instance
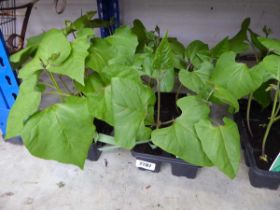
(109, 10)
(8, 23)
(8, 85)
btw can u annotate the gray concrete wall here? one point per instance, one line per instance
(207, 20)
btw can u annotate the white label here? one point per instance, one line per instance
(146, 165)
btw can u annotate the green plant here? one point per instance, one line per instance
(268, 70)
(116, 79)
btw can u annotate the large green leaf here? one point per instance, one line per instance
(221, 144)
(164, 57)
(99, 98)
(20, 57)
(237, 43)
(224, 96)
(124, 43)
(100, 104)
(256, 42)
(61, 132)
(236, 77)
(271, 67)
(74, 65)
(196, 80)
(167, 80)
(262, 95)
(220, 48)
(144, 63)
(53, 50)
(197, 52)
(35, 41)
(271, 44)
(178, 50)
(131, 103)
(116, 49)
(85, 21)
(180, 138)
(100, 53)
(120, 70)
(140, 31)
(26, 104)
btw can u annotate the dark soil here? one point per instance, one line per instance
(168, 107)
(259, 118)
(168, 112)
(103, 127)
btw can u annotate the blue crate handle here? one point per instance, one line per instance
(108, 9)
(8, 85)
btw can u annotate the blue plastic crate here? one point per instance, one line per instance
(8, 85)
(4, 113)
(108, 9)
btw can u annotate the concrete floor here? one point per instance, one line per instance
(27, 183)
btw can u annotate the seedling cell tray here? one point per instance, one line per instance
(258, 177)
(101, 127)
(151, 159)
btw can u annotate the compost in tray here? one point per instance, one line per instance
(258, 120)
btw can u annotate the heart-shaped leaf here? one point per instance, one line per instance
(235, 77)
(72, 132)
(180, 138)
(26, 104)
(221, 144)
(74, 65)
(131, 102)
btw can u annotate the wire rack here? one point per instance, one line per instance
(7, 18)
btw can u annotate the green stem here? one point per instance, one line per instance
(167, 122)
(58, 93)
(210, 94)
(65, 85)
(276, 119)
(271, 120)
(177, 95)
(178, 92)
(158, 104)
(58, 89)
(47, 84)
(277, 110)
(54, 81)
(248, 113)
(143, 142)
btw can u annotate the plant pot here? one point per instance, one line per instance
(151, 159)
(101, 127)
(259, 174)
(93, 152)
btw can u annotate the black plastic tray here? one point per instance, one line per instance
(178, 166)
(93, 152)
(258, 177)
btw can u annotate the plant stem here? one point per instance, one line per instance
(65, 85)
(167, 122)
(142, 142)
(58, 93)
(276, 118)
(271, 121)
(177, 95)
(210, 94)
(277, 110)
(250, 98)
(48, 85)
(158, 104)
(178, 92)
